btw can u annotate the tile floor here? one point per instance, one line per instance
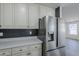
(72, 47)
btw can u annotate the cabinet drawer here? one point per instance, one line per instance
(28, 53)
(19, 54)
(19, 49)
(5, 52)
(36, 52)
(36, 46)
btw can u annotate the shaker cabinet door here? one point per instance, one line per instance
(36, 50)
(21, 15)
(33, 16)
(43, 11)
(6, 15)
(46, 11)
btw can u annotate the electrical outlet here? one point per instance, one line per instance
(30, 32)
(1, 33)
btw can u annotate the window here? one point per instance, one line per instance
(73, 29)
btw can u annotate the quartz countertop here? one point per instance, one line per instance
(20, 41)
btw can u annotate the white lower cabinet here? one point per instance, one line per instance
(28, 50)
(5, 52)
(35, 50)
(19, 49)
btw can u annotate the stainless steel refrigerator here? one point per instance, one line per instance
(48, 34)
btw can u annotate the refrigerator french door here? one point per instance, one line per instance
(47, 33)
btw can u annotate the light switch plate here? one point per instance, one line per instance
(1, 33)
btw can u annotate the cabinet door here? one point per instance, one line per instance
(33, 16)
(46, 11)
(0, 15)
(6, 15)
(5, 52)
(36, 50)
(20, 49)
(21, 15)
(20, 54)
(51, 12)
(43, 11)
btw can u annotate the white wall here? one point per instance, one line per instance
(70, 15)
(71, 12)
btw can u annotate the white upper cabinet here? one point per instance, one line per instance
(6, 15)
(46, 11)
(52, 12)
(43, 11)
(33, 16)
(0, 15)
(49, 11)
(21, 15)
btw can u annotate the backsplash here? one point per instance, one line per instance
(9, 33)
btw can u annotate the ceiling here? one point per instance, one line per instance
(54, 5)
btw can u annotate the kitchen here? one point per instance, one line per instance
(31, 29)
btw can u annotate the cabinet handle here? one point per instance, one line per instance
(35, 47)
(28, 26)
(28, 53)
(3, 53)
(20, 50)
(0, 25)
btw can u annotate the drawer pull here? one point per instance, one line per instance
(20, 50)
(35, 47)
(28, 53)
(3, 53)
(0, 25)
